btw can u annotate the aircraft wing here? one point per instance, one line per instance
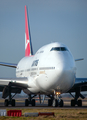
(14, 85)
(80, 83)
(8, 64)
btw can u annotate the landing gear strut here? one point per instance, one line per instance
(30, 100)
(50, 101)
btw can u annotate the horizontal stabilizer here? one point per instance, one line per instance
(8, 64)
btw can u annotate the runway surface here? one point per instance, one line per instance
(21, 104)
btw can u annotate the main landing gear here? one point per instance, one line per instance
(10, 100)
(7, 93)
(55, 101)
(30, 100)
(75, 101)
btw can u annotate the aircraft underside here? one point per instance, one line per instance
(53, 99)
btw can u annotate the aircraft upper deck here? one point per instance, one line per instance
(53, 46)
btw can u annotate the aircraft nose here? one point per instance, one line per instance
(65, 76)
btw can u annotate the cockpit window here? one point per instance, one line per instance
(59, 49)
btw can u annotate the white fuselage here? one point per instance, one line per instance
(51, 69)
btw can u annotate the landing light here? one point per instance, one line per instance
(58, 93)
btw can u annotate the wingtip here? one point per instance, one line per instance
(79, 59)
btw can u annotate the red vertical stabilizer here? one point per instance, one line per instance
(28, 45)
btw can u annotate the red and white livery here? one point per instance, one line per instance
(51, 71)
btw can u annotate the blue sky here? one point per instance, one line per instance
(62, 21)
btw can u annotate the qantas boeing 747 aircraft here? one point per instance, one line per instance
(51, 71)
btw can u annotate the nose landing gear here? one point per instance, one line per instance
(55, 100)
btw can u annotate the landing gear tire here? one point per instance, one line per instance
(26, 102)
(13, 102)
(79, 103)
(55, 103)
(6, 102)
(49, 102)
(33, 102)
(72, 103)
(60, 104)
